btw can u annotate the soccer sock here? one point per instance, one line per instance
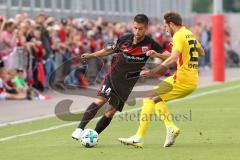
(161, 109)
(102, 124)
(145, 117)
(88, 115)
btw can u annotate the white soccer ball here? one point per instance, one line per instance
(89, 138)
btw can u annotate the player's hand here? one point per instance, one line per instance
(87, 56)
(151, 53)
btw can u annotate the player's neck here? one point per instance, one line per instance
(177, 28)
(135, 40)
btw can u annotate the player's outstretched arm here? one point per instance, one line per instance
(162, 68)
(103, 52)
(163, 56)
(172, 59)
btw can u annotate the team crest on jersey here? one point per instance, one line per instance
(145, 49)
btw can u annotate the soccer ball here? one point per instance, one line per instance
(89, 138)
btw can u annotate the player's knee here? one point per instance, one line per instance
(100, 101)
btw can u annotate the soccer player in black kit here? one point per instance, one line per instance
(122, 75)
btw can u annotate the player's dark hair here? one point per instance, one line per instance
(141, 18)
(173, 17)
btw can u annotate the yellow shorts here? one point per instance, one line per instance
(168, 90)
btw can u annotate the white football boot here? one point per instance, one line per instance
(172, 133)
(133, 141)
(77, 133)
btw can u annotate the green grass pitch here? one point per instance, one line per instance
(211, 131)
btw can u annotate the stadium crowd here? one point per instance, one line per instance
(31, 49)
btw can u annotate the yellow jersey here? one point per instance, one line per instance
(185, 43)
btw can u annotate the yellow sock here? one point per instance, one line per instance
(145, 118)
(161, 109)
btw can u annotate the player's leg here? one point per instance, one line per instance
(105, 120)
(166, 91)
(103, 96)
(91, 111)
(161, 109)
(148, 109)
(88, 115)
(155, 103)
(116, 104)
(149, 106)
(145, 118)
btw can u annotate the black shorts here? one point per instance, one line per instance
(108, 91)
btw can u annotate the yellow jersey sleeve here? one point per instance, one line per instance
(198, 44)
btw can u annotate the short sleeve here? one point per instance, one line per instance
(119, 41)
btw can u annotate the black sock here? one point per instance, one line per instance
(88, 115)
(102, 124)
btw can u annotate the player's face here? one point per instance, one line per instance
(139, 30)
(168, 28)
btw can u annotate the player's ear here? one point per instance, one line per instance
(171, 24)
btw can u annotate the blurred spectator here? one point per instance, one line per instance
(2, 24)
(5, 88)
(8, 41)
(232, 58)
(205, 40)
(43, 21)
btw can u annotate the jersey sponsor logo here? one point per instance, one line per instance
(134, 58)
(193, 66)
(145, 49)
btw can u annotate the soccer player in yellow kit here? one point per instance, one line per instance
(185, 52)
